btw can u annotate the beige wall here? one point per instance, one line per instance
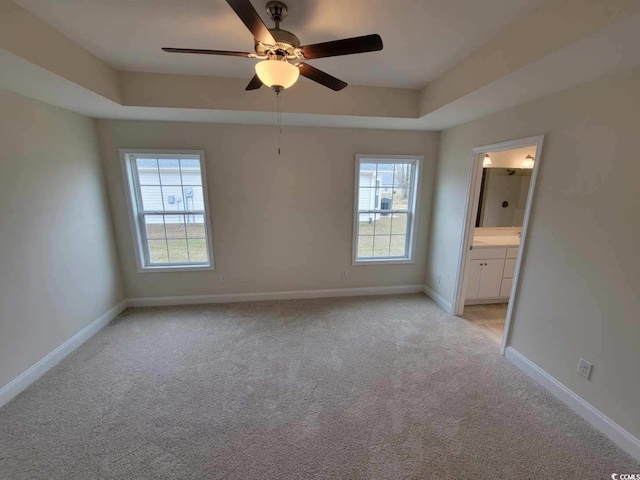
(279, 222)
(581, 271)
(58, 263)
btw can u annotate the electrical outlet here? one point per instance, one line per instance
(344, 273)
(439, 279)
(584, 368)
(223, 278)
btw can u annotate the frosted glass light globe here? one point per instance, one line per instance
(277, 73)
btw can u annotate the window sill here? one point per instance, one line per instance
(384, 261)
(177, 268)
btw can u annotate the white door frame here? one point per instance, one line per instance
(471, 208)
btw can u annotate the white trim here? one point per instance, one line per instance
(383, 261)
(412, 212)
(283, 295)
(474, 180)
(595, 417)
(523, 239)
(130, 187)
(470, 209)
(22, 381)
(439, 299)
(177, 268)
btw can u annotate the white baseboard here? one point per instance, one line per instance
(446, 306)
(283, 295)
(600, 421)
(20, 383)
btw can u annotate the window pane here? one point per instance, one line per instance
(198, 250)
(155, 226)
(398, 245)
(367, 199)
(178, 251)
(169, 171)
(365, 226)
(400, 198)
(195, 226)
(399, 224)
(174, 225)
(386, 198)
(365, 246)
(148, 171)
(158, 251)
(169, 187)
(190, 172)
(403, 175)
(385, 174)
(382, 224)
(172, 197)
(381, 245)
(151, 198)
(193, 198)
(368, 168)
(385, 186)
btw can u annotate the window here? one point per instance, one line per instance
(385, 208)
(169, 209)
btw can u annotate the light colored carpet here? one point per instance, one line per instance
(355, 388)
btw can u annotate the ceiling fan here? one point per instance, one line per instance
(277, 48)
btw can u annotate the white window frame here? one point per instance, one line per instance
(136, 216)
(412, 210)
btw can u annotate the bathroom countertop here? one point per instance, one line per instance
(496, 241)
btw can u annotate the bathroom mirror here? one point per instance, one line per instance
(503, 197)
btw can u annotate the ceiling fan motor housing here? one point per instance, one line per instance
(286, 46)
(286, 42)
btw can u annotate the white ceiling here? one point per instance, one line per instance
(422, 38)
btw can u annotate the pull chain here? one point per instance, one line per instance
(279, 124)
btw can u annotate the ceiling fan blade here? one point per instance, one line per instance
(254, 84)
(209, 52)
(312, 73)
(348, 46)
(252, 20)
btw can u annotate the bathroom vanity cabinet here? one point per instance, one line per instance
(489, 274)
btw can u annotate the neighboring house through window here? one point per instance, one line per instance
(167, 196)
(385, 210)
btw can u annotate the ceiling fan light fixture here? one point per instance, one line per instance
(277, 74)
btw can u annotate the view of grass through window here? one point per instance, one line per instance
(180, 243)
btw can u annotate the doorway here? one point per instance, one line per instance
(500, 189)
